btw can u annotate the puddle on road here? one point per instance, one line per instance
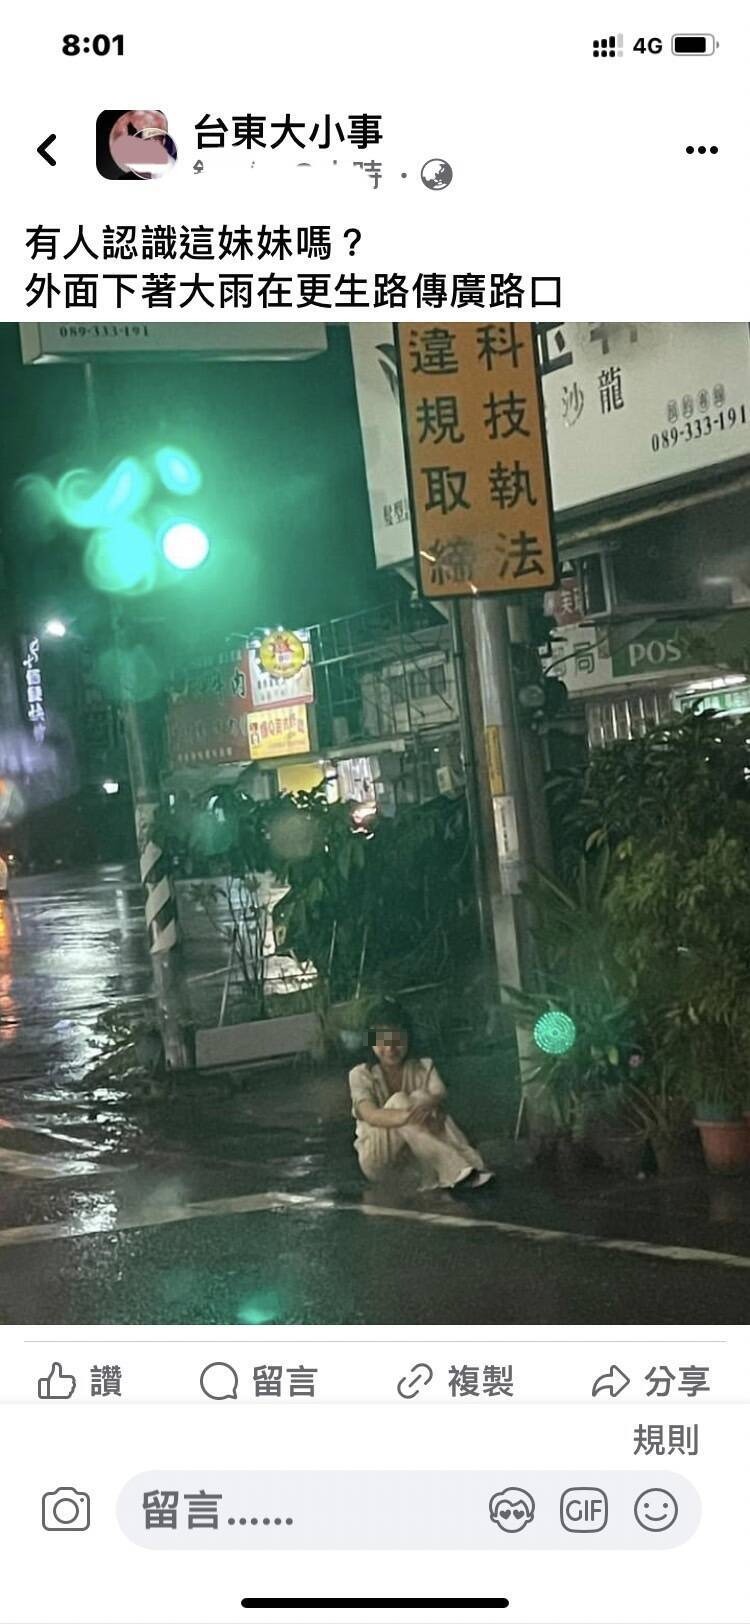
(20, 1164)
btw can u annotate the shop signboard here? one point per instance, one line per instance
(590, 657)
(52, 341)
(34, 700)
(735, 699)
(215, 676)
(203, 732)
(628, 406)
(279, 731)
(209, 705)
(280, 667)
(376, 381)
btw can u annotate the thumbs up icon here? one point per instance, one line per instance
(56, 1385)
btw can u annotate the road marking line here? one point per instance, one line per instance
(26, 1164)
(226, 1206)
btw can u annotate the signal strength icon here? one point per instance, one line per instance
(609, 45)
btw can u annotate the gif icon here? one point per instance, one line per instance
(584, 1511)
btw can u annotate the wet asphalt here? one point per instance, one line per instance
(242, 1203)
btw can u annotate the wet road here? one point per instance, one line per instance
(245, 1207)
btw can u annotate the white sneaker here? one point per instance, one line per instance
(463, 1178)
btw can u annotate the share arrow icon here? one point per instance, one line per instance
(614, 1381)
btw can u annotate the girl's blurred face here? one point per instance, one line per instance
(391, 1046)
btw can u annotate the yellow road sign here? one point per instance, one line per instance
(476, 451)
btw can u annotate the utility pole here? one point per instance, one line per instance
(483, 533)
(143, 771)
(462, 652)
(514, 827)
(508, 835)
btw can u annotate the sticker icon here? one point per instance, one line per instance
(511, 1510)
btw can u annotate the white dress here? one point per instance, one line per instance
(442, 1157)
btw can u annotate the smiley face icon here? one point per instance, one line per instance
(655, 1510)
(511, 1510)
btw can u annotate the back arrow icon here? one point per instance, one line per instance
(614, 1382)
(43, 153)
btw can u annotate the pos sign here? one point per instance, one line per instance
(477, 458)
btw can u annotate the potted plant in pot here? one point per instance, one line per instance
(573, 1091)
(615, 1134)
(674, 808)
(662, 1109)
(718, 1094)
(581, 1022)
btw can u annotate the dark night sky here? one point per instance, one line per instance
(284, 495)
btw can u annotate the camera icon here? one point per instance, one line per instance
(66, 1511)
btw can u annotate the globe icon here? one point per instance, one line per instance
(436, 174)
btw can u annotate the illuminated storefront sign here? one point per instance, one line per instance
(281, 670)
(34, 698)
(279, 732)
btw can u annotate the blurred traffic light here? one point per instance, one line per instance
(91, 504)
(122, 559)
(177, 471)
(131, 535)
(184, 545)
(555, 1032)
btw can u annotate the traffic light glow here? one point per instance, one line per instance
(121, 559)
(185, 546)
(130, 534)
(178, 472)
(555, 1032)
(89, 506)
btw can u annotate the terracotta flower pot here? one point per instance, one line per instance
(726, 1145)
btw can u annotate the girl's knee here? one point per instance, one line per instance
(372, 1168)
(398, 1102)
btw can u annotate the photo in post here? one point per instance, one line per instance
(374, 823)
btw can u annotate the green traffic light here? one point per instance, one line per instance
(89, 505)
(121, 559)
(177, 471)
(555, 1032)
(185, 546)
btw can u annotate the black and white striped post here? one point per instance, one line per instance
(161, 905)
(159, 892)
(160, 901)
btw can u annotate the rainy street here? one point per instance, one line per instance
(243, 1204)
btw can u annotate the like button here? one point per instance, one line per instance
(56, 1385)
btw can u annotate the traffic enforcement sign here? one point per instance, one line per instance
(477, 458)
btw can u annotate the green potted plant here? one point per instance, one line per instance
(724, 1135)
(661, 1107)
(674, 809)
(581, 1023)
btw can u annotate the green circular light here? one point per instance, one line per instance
(555, 1032)
(185, 546)
(121, 559)
(91, 506)
(177, 471)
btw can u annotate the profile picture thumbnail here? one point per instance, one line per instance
(134, 144)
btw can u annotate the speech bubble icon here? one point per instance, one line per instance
(219, 1380)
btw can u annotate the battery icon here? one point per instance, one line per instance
(693, 44)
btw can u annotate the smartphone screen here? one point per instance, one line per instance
(374, 816)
